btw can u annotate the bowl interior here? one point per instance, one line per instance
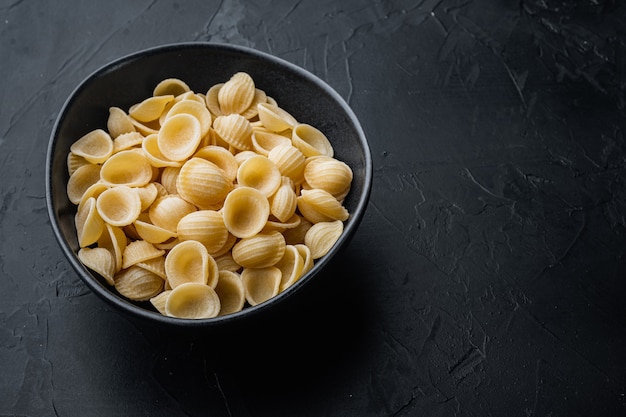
(133, 78)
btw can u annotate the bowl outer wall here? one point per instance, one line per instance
(132, 78)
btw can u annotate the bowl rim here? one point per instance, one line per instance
(128, 307)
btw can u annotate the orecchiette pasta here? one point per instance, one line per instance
(204, 204)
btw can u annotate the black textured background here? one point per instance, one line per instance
(488, 275)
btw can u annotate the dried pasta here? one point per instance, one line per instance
(203, 204)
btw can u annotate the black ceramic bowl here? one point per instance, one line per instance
(132, 78)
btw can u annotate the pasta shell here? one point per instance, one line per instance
(202, 183)
(260, 173)
(119, 206)
(100, 261)
(235, 130)
(237, 94)
(263, 142)
(170, 86)
(169, 179)
(151, 233)
(80, 181)
(96, 146)
(167, 211)
(114, 240)
(245, 212)
(275, 118)
(130, 168)
(155, 265)
(155, 157)
(139, 251)
(226, 262)
(321, 237)
(284, 202)
(206, 227)
(295, 235)
(119, 122)
(89, 224)
(291, 266)
(305, 253)
(273, 224)
(138, 284)
(195, 109)
(179, 137)
(126, 141)
(222, 158)
(158, 301)
(242, 156)
(260, 284)
(94, 191)
(147, 195)
(187, 262)
(259, 251)
(146, 129)
(211, 99)
(328, 174)
(150, 109)
(320, 206)
(168, 244)
(311, 141)
(74, 162)
(230, 242)
(252, 111)
(290, 162)
(230, 292)
(192, 301)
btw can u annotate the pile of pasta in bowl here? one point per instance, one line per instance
(205, 203)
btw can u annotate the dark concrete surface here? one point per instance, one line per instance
(487, 277)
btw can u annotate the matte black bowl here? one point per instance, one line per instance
(132, 78)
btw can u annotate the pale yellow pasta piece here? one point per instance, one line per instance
(138, 284)
(245, 212)
(179, 137)
(290, 162)
(284, 202)
(212, 102)
(243, 156)
(203, 183)
(275, 118)
(235, 130)
(259, 251)
(264, 141)
(273, 224)
(260, 173)
(231, 293)
(100, 261)
(150, 109)
(321, 237)
(260, 284)
(305, 253)
(119, 122)
(130, 168)
(146, 129)
(252, 111)
(187, 262)
(222, 158)
(150, 146)
(119, 206)
(167, 211)
(195, 109)
(237, 94)
(74, 162)
(152, 233)
(311, 141)
(95, 146)
(89, 224)
(226, 262)
(329, 174)
(320, 206)
(114, 240)
(169, 179)
(193, 301)
(94, 191)
(291, 266)
(155, 265)
(80, 181)
(139, 251)
(230, 242)
(295, 235)
(206, 227)
(171, 86)
(147, 195)
(126, 141)
(159, 300)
